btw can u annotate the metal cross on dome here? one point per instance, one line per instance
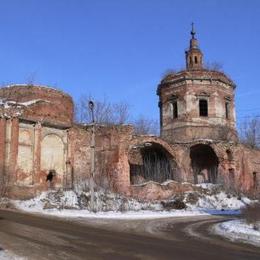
(192, 30)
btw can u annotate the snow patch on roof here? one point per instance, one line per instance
(32, 102)
(29, 85)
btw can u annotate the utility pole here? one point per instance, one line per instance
(92, 156)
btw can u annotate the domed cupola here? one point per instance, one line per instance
(194, 56)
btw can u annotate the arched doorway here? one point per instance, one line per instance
(204, 164)
(151, 162)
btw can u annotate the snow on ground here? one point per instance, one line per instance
(221, 201)
(7, 255)
(238, 230)
(67, 204)
(206, 199)
(213, 199)
(209, 200)
(142, 214)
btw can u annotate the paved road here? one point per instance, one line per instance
(40, 238)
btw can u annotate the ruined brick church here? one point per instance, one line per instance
(198, 140)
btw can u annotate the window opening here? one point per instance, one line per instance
(227, 105)
(203, 106)
(175, 109)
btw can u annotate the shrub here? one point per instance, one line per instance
(176, 204)
(251, 214)
(192, 197)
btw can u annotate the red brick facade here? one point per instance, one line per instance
(198, 141)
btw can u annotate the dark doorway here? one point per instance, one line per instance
(152, 163)
(204, 164)
(50, 175)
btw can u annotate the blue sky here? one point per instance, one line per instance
(119, 49)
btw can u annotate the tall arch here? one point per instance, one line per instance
(150, 161)
(53, 156)
(204, 162)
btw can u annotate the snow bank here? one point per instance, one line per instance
(220, 201)
(71, 201)
(49, 200)
(110, 205)
(212, 198)
(238, 230)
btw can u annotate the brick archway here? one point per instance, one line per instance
(151, 159)
(204, 163)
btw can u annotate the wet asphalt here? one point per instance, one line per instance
(39, 237)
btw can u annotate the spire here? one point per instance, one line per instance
(193, 55)
(193, 40)
(192, 31)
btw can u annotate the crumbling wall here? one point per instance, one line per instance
(3, 179)
(29, 152)
(37, 137)
(38, 103)
(54, 155)
(110, 161)
(25, 155)
(249, 169)
(79, 146)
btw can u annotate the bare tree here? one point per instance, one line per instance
(146, 126)
(250, 132)
(105, 112)
(109, 113)
(31, 79)
(214, 66)
(121, 112)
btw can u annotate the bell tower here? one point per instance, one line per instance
(194, 56)
(197, 103)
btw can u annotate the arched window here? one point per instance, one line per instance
(203, 106)
(196, 60)
(227, 108)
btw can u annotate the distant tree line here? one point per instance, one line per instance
(249, 132)
(117, 113)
